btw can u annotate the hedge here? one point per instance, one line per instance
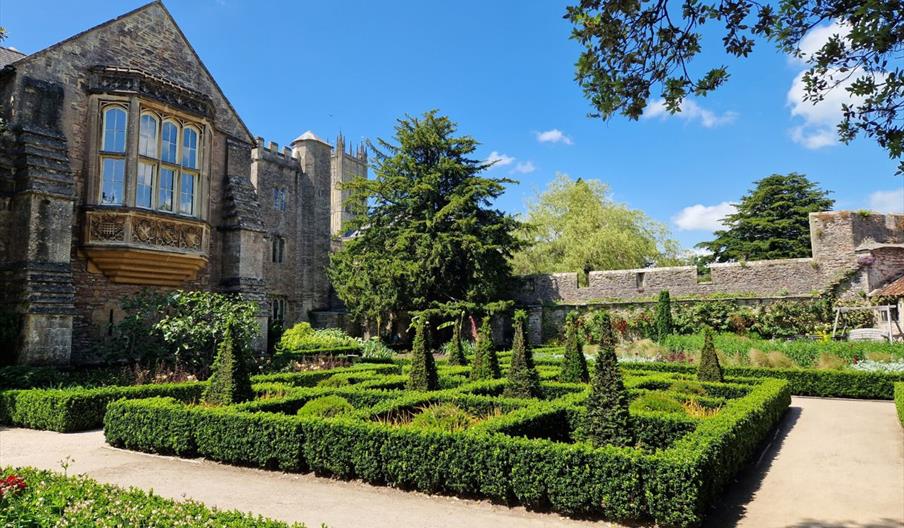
(804, 382)
(899, 401)
(51, 499)
(504, 458)
(80, 409)
(285, 355)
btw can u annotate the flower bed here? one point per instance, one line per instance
(525, 451)
(31, 497)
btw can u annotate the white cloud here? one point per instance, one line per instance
(690, 111)
(500, 160)
(818, 37)
(524, 167)
(701, 217)
(887, 201)
(553, 136)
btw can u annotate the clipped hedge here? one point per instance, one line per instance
(899, 401)
(289, 355)
(519, 456)
(51, 499)
(804, 382)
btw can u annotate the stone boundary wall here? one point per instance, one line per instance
(764, 278)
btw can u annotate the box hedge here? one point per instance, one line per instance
(899, 401)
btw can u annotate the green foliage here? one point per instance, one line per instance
(446, 417)
(605, 331)
(456, 352)
(574, 364)
(374, 349)
(771, 221)
(635, 51)
(575, 226)
(229, 381)
(50, 499)
(663, 316)
(301, 338)
(899, 401)
(326, 407)
(523, 380)
(486, 362)
(607, 420)
(656, 402)
(709, 368)
(422, 376)
(425, 231)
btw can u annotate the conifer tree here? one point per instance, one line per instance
(574, 365)
(486, 363)
(607, 420)
(709, 368)
(663, 316)
(523, 380)
(607, 333)
(457, 353)
(229, 380)
(423, 375)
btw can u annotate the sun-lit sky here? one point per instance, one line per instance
(504, 71)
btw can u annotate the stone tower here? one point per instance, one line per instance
(345, 166)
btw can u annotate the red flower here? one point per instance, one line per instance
(11, 484)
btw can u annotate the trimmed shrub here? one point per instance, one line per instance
(51, 499)
(899, 401)
(709, 368)
(229, 381)
(663, 316)
(326, 407)
(574, 365)
(486, 362)
(607, 420)
(456, 351)
(443, 417)
(303, 339)
(423, 368)
(656, 402)
(523, 380)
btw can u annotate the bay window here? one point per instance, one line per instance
(168, 151)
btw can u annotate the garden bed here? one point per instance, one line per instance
(523, 451)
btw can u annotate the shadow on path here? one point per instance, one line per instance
(732, 506)
(882, 523)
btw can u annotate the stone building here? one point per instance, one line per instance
(124, 167)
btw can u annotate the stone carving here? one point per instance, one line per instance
(145, 230)
(126, 80)
(108, 227)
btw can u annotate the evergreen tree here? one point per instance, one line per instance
(457, 354)
(607, 420)
(486, 362)
(574, 365)
(772, 221)
(423, 375)
(607, 333)
(709, 368)
(229, 380)
(663, 316)
(523, 380)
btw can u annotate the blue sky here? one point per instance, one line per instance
(504, 71)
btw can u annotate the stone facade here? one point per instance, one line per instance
(207, 219)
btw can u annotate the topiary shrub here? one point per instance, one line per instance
(709, 369)
(608, 420)
(486, 362)
(605, 330)
(574, 365)
(456, 351)
(229, 380)
(523, 380)
(423, 368)
(326, 407)
(657, 402)
(443, 417)
(663, 316)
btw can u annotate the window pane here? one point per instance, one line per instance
(187, 194)
(165, 199)
(190, 148)
(113, 175)
(169, 142)
(147, 138)
(144, 190)
(115, 130)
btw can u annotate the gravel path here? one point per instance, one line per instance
(832, 464)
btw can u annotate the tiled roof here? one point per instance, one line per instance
(892, 289)
(9, 55)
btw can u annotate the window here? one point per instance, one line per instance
(278, 309)
(279, 249)
(279, 199)
(639, 279)
(168, 174)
